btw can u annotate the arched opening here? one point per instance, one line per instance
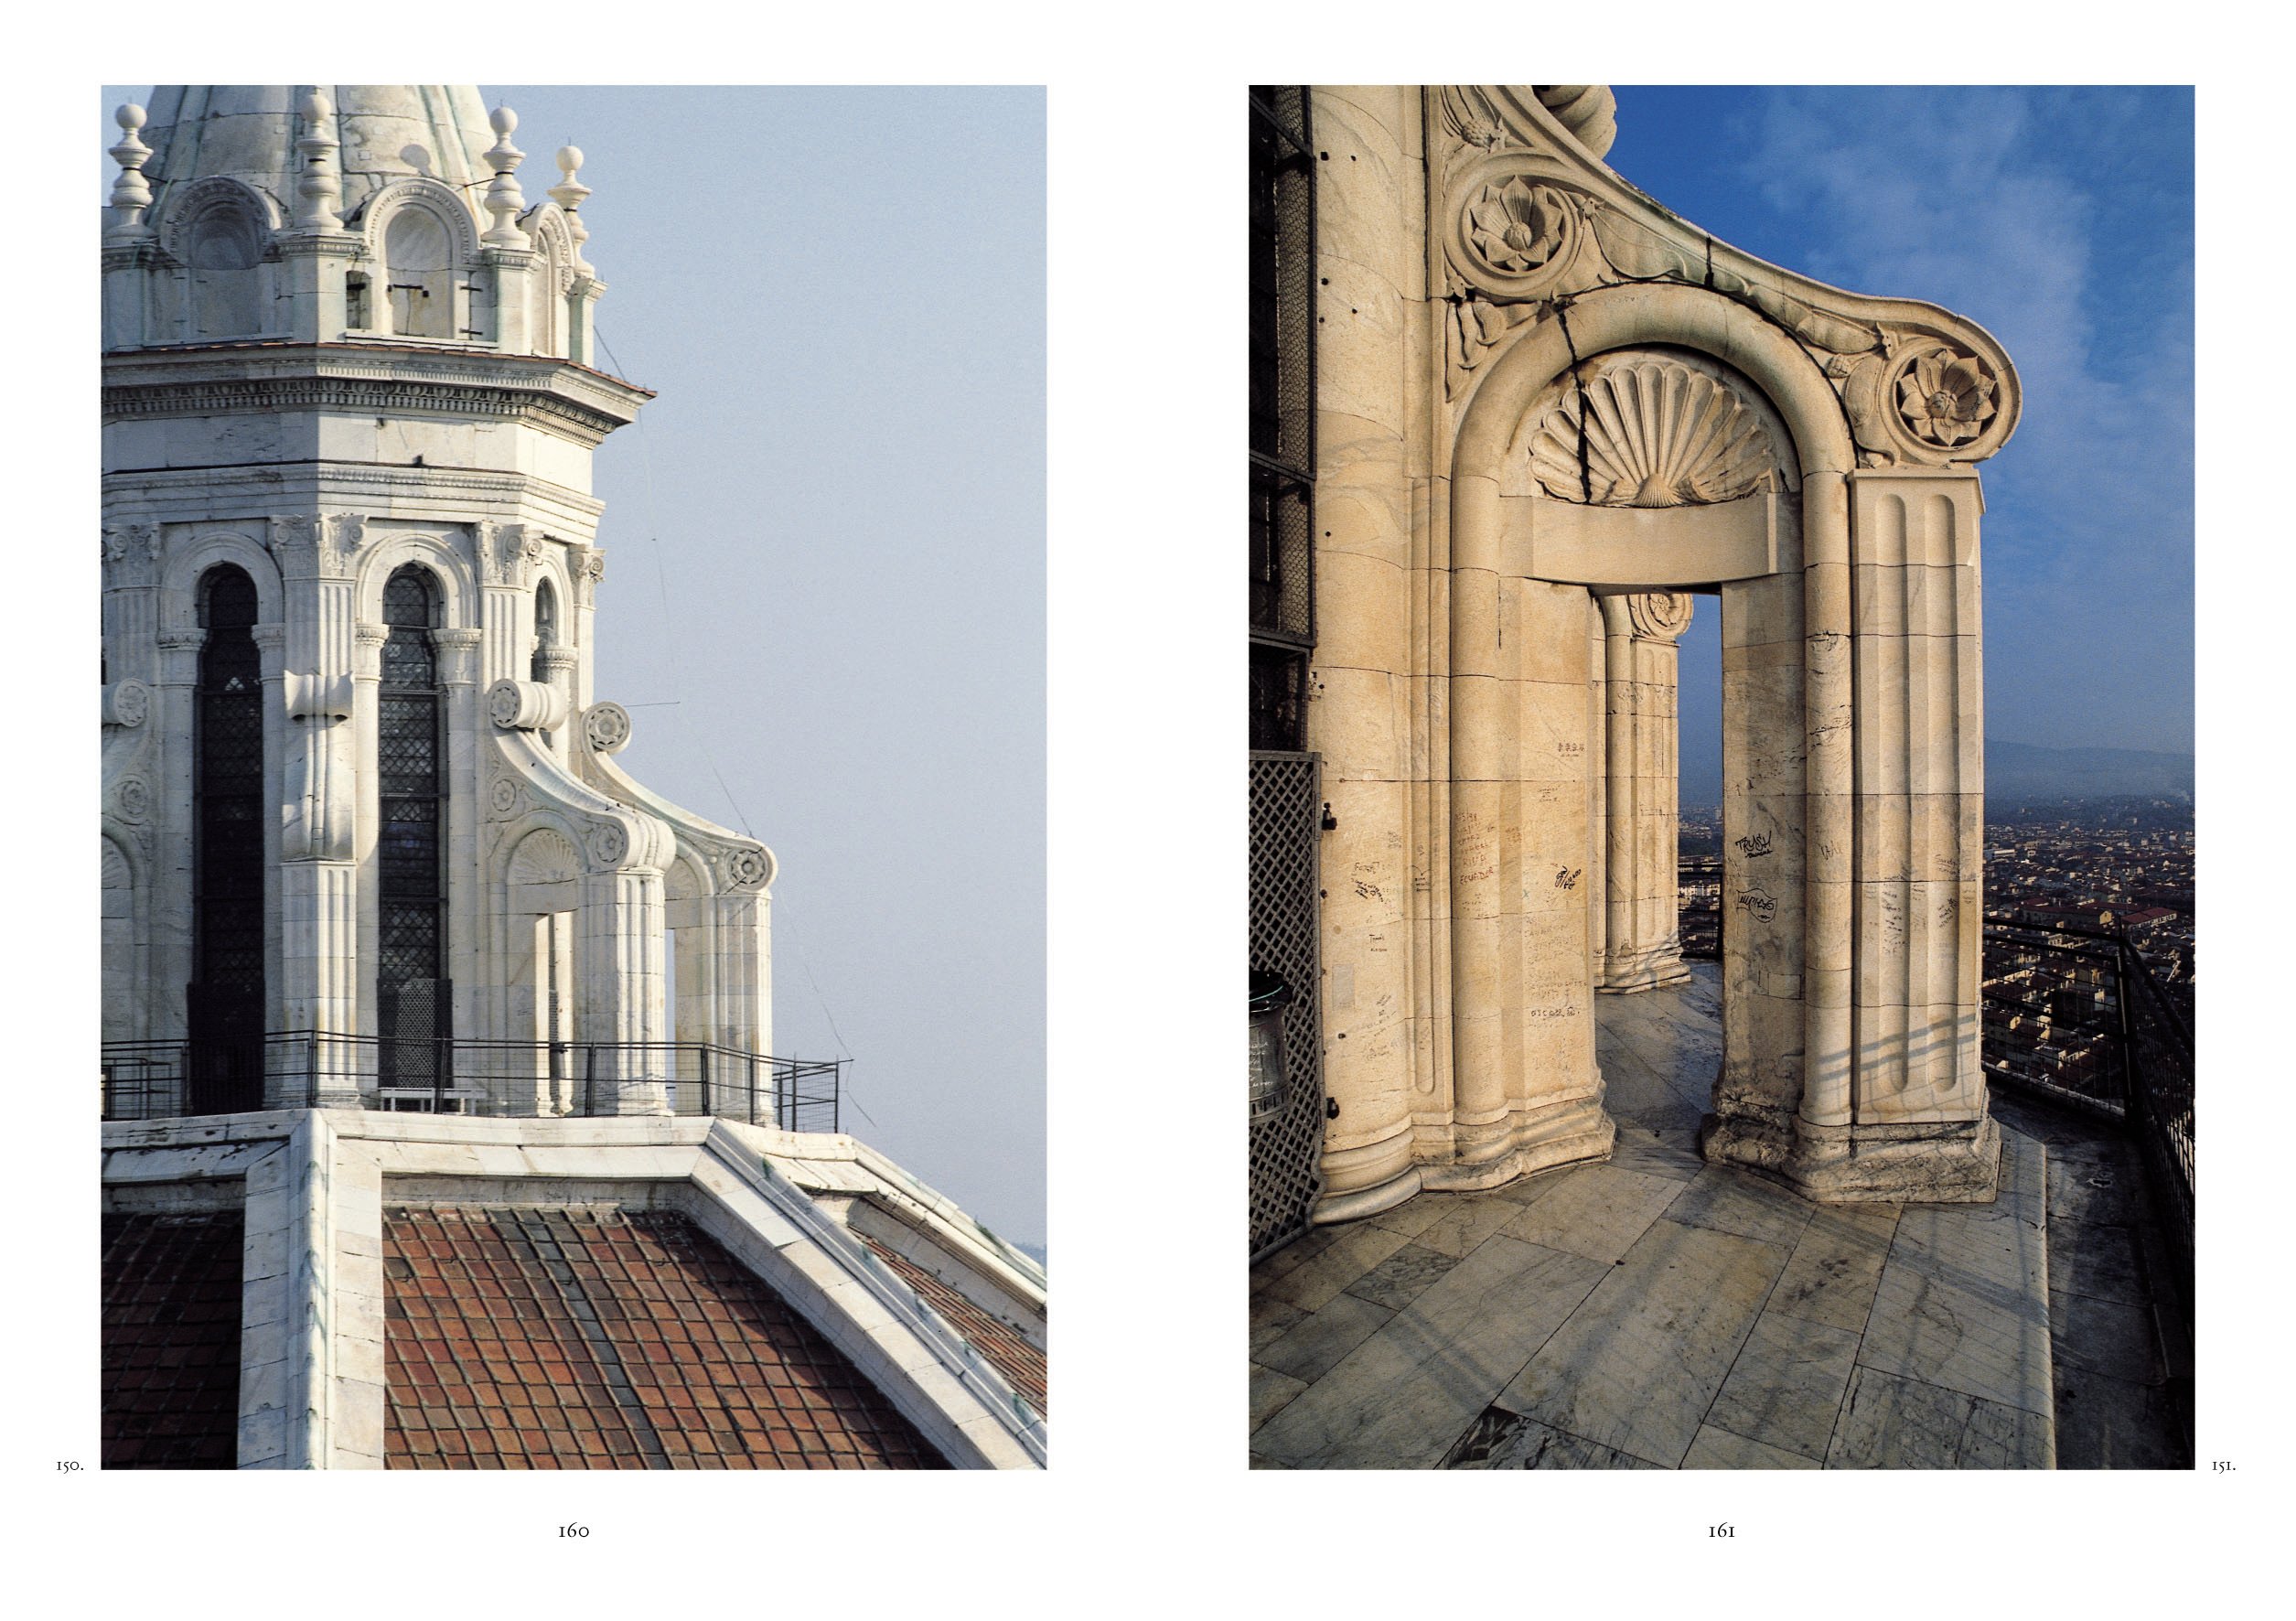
(543, 896)
(414, 997)
(545, 642)
(420, 284)
(225, 274)
(227, 1002)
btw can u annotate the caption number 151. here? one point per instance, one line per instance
(2222, 1466)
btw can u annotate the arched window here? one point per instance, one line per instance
(225, 254)
(420, 263)
(226, 1003)
(545, 631)
(412, 990)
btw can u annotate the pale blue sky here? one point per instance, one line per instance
(825, 548)
(2061, 220)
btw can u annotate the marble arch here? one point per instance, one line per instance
(1490, 296)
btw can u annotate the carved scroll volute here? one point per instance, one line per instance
(526, 707)
(606, 728)
(507, 551)
(317, 547)
(587, 564)
(130, 555)
(321, 791)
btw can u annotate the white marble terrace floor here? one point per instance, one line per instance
(1658, 1313)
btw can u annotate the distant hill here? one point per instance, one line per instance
(2023, 771)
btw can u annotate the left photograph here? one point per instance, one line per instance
(560, 1017)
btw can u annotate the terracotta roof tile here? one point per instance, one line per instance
(590, 1338)
(1000, 1345)
(171, 1315)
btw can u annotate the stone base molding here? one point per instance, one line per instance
(1950, 1163)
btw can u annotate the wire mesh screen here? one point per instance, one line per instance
(1282, 220)
(1287, 1147)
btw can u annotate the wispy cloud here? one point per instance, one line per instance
(2059, 218)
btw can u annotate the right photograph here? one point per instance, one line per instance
(1722, 930)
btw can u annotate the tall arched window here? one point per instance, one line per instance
(545, 631)
(421, 268)
(411, 989)
(226, 1003)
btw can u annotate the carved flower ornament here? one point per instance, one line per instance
(1945, 397)
(1517, 227)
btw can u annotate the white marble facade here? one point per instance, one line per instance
(1548, 412)
(339, 343)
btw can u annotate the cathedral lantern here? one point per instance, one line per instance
(365, 839)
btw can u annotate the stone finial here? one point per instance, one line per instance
(504, 200)
(568, 195)
(130, 194)
(320, 188)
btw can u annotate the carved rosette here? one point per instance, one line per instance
(1926, 400)
(606, 727)
(1515, 230)
(608, 845)
(505, 799)
(126, 704)
(748, 867)
(1660, 616)
(130, 555)
(1636, 430)
(132, 799)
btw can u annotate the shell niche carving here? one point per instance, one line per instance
(1656, 433)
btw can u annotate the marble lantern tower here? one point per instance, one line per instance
(356, 777)
(1546, 413)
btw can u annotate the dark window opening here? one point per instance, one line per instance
(225, 1004)
(411, 984)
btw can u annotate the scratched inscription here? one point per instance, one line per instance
(1567, 877)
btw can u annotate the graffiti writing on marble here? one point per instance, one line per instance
(1759, 904)
(1569, 1010)
(1754, 846)
(1567, 877)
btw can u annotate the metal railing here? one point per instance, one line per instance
(501, 1080)
(2075, 1014)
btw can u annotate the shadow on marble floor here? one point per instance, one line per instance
(1657, 1311)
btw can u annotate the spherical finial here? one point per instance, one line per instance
(315, 107)
(569, 160)
(130, 117)
(503, 120)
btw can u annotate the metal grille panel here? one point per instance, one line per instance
(1287, 1147)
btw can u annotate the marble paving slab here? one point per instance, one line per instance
(1402, 1277)
(1837, 1266)
(1313, 1345)
(1400, 1399)
(1599, 1213)
(1638, 1366)
(1502, 1440)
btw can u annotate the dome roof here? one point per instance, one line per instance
(387, 130)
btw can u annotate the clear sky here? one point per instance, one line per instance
(824, 598)
(2060, 220)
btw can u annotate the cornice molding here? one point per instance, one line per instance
(1522, 217)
